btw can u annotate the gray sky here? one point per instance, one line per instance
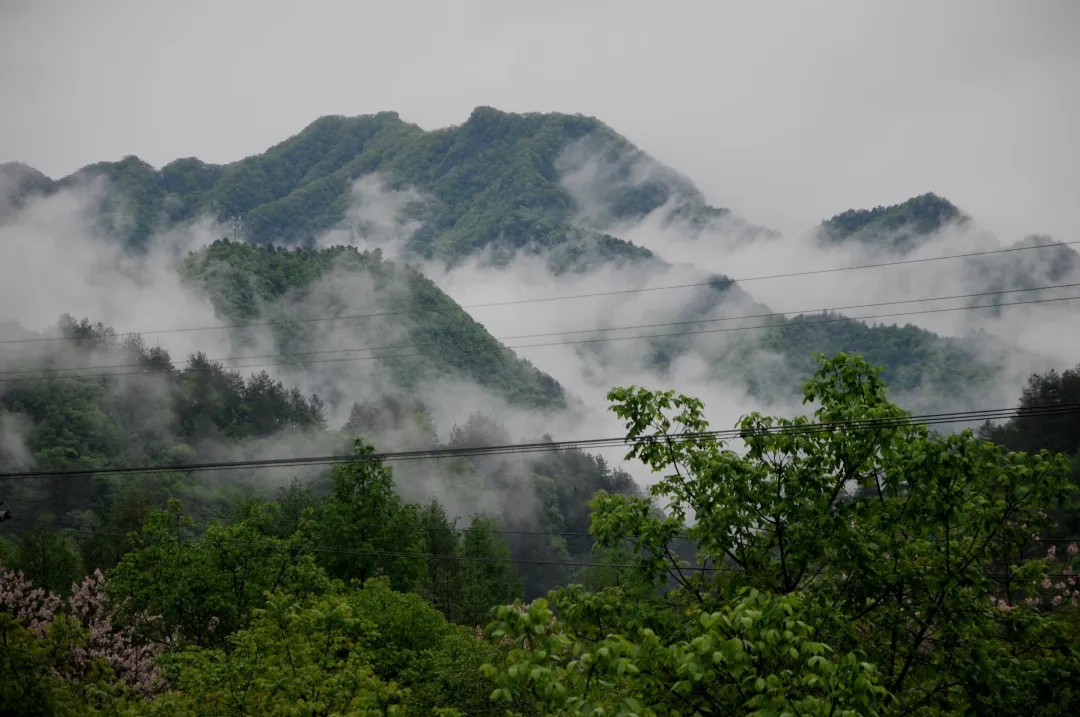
(786, 112)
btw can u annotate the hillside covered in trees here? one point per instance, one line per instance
(139, 409)
(388, 313)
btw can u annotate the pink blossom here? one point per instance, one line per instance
(133, 664)
(33, 607)
(1051, 551)
(1045, 583)
(1071, 550)
(1056, 600)
(36, 609)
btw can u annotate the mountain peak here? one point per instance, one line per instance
(18, 182)
(900, 227)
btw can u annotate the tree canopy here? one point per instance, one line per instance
(848, 562)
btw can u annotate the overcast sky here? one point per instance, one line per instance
(786, 112)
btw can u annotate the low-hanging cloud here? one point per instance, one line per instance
(53, 261)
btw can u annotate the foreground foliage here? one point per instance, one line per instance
(878, 570)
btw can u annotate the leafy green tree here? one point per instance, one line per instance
(367, 531)
(907, 551)
(176, 588)
(26, 685)
(49, 558)
(448, 675)
(754, 656)
(296, 657)
(488, 577)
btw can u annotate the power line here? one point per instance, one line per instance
(397, 554)
(715, 283)
(547, 446)
(494, 559)
(7, 376)
(454, 529)
(626, 328)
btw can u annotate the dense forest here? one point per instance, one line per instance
(938, 585)
(152, 413)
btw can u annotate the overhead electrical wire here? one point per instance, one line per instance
(396, 554)
(492, 559)
(547, 446)
(716, 283)
(455, 528)
(21, 374)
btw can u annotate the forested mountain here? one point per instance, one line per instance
(559, 186)
(902, 228)
(1024, 271)
(415, 332)
(18, 182)
(490, 183)
(355, 339)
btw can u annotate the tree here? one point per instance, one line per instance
(488, 578)
(200, 590)
(67, 657)
(754, 656)
(366, 530)
(469, 572)
(898, 549)
(49, 558)
(442, 583)
(296, 657)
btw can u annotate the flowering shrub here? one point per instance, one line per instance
(96, 641)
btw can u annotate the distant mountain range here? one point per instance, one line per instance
(556, 186)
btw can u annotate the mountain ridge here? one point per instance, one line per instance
(491, 181)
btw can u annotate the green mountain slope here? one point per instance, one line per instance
(420, 334)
